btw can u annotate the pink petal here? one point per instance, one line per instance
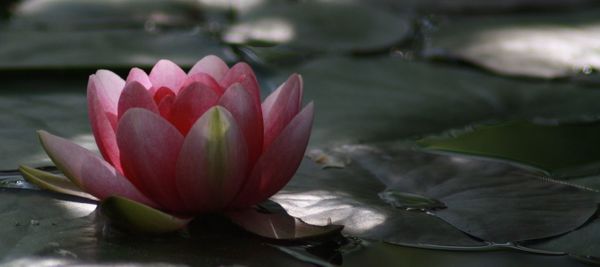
(239, 102)
(212, 164)
(242, 73)
(165, 106)
(140, 76)
(167, 74)
(162, 93)
(279, 162)
(107, 88)
(149, 147)
(135, 95)
(88, 171)
(281, 107)
(103, 120)
(211, 65)
(204, 79)
(190, 104)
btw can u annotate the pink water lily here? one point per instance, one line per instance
(187, 143)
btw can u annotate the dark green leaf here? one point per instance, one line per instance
(568, 148)
(320, 26)
(534, 45)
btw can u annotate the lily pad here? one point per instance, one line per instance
(389, 99)
(541, 45)
(26, 110)
(318, 197)
(484, 199)
(320, 26)
(98, 14)
(102, 49)
(568, 148)
(382, 254)
(489, 6)
(42, 229)
(581, 243)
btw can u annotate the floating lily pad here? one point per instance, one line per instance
(489, 6)
(319, 26)
(382, 254)
(318, 197)
(98, 14)
(383, 99)
(102, 49)
(26, 110)
(41, 229)
(581, 243)
(569, 148)
(543, 46)
(484, 199)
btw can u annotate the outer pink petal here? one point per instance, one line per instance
(211, 65)
(108, 87)
(140, 76)
(279, 162)
(190, 104)
(281, 107)
(242, 73)
(103, 118)
(88, 171)
(149, 148)
(212, 164)
(239, 102)
(135, 95)
(204, 79)
(167, 74)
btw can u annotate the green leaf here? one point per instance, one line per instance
(388, 99)
(138, 217)
(484, 199)
(52, 182)
(581, 243)
(40, 228)
(559, 149)
(102, 49)
(318, 197)
(532, 45)
(280, 225)
(485, 7)
(403, 200)
(98, 14)
(382, 254)
(320, 26)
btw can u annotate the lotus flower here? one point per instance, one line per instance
(187, 144)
